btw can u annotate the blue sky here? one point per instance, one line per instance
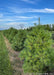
(14, 13)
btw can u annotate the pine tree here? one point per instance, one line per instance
(37, 54)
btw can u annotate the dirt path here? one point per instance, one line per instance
(53, 46)
(15, 60)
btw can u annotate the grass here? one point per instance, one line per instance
(5, 66)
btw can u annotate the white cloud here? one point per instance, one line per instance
(29, 1)
(17, 18)
(31, 10)
(46, 10)
(49, 10)
(26, 17)
(16, 25)
(13, 20)
(5, 20)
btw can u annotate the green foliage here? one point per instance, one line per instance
(10, 33)
(48, 27)
(53, 36)
(37, 54)
(18, 40)
(53, 27)
(35, 43)
(5, 66)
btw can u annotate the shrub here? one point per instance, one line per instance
(37, 54)
(18, 40)
(53, 36)
(10, 33)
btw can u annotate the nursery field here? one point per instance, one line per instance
(26, 51)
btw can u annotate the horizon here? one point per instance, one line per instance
(14, 13)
